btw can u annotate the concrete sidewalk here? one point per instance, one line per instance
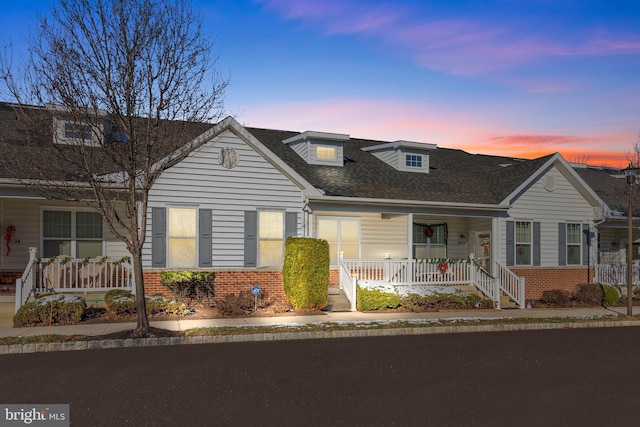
(6, 330)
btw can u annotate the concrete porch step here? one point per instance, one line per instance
(7, 308)
(337, 301)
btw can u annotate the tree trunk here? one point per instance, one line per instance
(142, 328)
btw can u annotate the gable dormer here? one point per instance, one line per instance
(319, 148)
(405, 156)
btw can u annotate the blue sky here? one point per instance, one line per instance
(507, 77)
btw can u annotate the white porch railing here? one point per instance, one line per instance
(616, 274)
(510, 284)
(348, 283)
(66, 274)
(437, 273)
(25, 285)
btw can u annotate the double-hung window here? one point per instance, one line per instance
(182, 237)
(78, 234)
(270, 238)
(343, 234)
(523, 242)
(574, 244)
(429, 241)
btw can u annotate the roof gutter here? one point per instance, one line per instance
(408, 203)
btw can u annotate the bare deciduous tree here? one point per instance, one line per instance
(122, 89)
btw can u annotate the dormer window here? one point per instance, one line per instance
(77, 131)
(324, 152)
(413, 161)
(319, 148)
(74, 132)
(404, 156)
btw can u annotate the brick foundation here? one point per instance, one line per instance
(8, 282)
(228, 283)
(540, 279)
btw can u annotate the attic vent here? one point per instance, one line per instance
(549, 183)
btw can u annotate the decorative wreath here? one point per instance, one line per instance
(443, 267)
(8, 235)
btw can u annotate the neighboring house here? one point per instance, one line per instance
(612, 238)
(231, 204)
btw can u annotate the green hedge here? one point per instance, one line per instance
(190, 285)
(56, 309)
(305, 272)
(611, 295)
(375, 299)
(120, 301)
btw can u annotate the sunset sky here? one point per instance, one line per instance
(514, 78)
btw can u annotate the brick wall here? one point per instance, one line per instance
(539, 279)
(228, 282)
(9, 277)
(334, 277)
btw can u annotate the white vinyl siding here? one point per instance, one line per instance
(549, 208)
(200, 179)
(26, 216)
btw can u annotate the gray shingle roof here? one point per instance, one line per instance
(455, 176)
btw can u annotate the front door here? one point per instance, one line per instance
(482, 250)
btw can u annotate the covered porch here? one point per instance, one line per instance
(432, 272)
(63, 274)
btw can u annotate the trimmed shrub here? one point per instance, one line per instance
(590, 293)
(305, 272)
(237, 305)
(556, 298)
(156, 304)
(56, 309)
(611, 295)
(244, 303)
(177, 308)
(375, 299)
(120, 301)
(190, 285)
(435, 302)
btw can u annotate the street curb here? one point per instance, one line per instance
(304, 335)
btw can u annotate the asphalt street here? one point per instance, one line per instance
(569, 377)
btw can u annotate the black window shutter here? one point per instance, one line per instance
(511, 248)
(158, 237)
(562, 243)
(205, 239)
(536, 243)
(250, 239)
(585, 246)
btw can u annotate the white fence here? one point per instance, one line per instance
(616, 274)
(437, 273)
(66, 274)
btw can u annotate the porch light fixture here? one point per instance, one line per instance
(462, 240)
(387, 255)
(630, 174)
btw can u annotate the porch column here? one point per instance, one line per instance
(495, 243)
(410, 236)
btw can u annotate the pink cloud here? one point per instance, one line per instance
(461, 47)
(391, 120)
